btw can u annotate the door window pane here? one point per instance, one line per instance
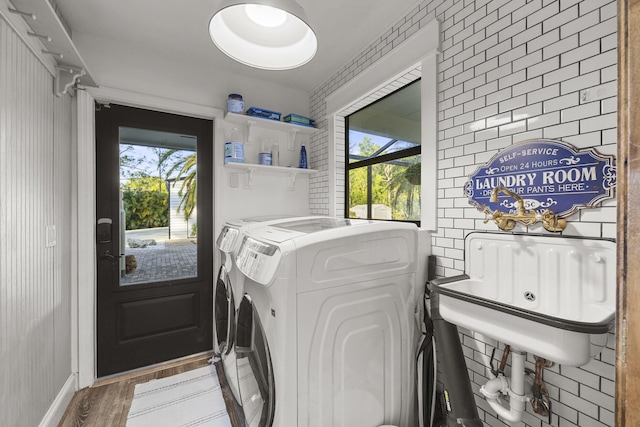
(158, 206)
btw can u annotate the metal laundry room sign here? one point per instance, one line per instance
(547, 175)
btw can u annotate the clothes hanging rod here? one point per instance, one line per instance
(40, 36)
(48, 52)
(26, 14)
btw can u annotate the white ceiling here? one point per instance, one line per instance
(178, 30)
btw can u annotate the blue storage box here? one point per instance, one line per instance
(263, 113)
(297, 119)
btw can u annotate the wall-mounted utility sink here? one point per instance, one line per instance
(554, 297)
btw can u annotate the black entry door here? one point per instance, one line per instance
(154, 227)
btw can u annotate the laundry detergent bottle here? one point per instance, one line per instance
(234, 148)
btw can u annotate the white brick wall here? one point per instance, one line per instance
(510, 70)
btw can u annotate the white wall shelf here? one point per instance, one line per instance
(243, 119)
(250, 122)
(250, 169)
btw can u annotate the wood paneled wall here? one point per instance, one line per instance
(628, 191)
(35, 262)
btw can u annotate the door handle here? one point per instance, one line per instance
(107, 255)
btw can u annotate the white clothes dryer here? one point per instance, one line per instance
(328, 324)
(229, 290)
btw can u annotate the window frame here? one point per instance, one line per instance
(417, 56)
(377, 160)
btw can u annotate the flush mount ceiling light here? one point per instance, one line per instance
(267, 34)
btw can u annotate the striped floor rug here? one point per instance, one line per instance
(190, 399)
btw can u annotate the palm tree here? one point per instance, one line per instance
(187, 174)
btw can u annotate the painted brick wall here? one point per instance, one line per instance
(510, 70)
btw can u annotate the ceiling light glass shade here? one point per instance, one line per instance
(271, 35)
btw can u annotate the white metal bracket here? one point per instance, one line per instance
(292, 181)
(66, 78)
(248, 126)
(249, 183)
(292, 139)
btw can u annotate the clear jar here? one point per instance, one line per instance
(235, 103)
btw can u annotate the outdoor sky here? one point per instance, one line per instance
(149, 164)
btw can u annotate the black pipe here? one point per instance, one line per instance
(429, 410)
(460, 402)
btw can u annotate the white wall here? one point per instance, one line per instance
(131, 77)
(551, 60)
(119, 66)
(35, 266)
(269, 191)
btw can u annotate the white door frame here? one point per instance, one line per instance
(84, 317)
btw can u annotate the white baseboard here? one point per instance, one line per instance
(59, 405)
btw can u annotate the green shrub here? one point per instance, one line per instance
(145, 201)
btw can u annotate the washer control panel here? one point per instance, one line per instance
(227, 239)
(257, 260)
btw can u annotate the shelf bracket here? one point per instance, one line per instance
(249, 184)
(292, 140)
(248, 126)
(233, 180)
(291, 181)
(66, 77)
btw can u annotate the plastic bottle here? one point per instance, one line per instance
(264, 157)
(234, 148)
(303, 157)
(235, 135)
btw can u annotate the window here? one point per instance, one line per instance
(383, 146)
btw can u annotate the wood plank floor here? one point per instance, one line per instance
(107, 402)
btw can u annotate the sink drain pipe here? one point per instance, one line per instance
(495, 387)
(461, 405)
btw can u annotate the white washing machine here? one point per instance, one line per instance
(326, 333)
(229, 290)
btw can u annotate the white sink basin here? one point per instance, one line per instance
(547, 295)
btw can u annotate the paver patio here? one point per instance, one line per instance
(167, 260)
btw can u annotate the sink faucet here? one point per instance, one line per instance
(494, 198)
(507, 220)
